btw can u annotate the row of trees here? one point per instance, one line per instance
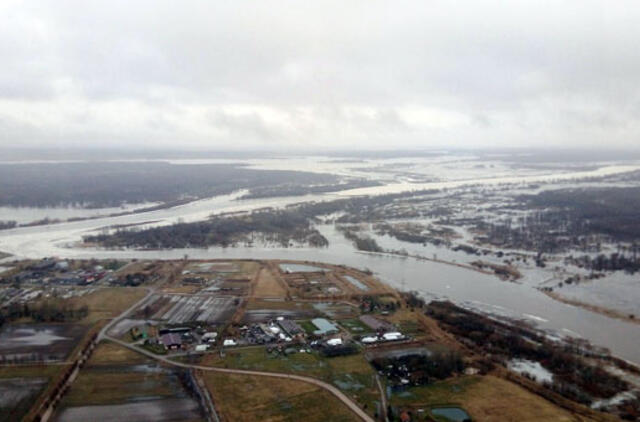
(558, 220)
(298, 189)
(10, 224)
(43, 312)
(613, 262)
(360, 241)
(110, 184)
(419, 369)
(278, 226)
(574, 377)
(416, 233)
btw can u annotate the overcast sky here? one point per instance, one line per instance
(305, 74)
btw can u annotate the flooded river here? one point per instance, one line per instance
(432, 279)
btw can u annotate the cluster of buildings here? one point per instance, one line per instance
(185, 338)
(282, 334)
(180, 338)
(280, 330)
(378, 338)
(53, 271)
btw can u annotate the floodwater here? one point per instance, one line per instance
(616, 290)
(38, 341)
(538, 178)
(433, 280)
(21, 335)
(299, 268)
(523, 366)
(143, 411)
(24, 215)
(454, 414)
(357, 283)
(14, 390)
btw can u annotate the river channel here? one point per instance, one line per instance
(432, 279)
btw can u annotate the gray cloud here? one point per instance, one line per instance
(361, 74)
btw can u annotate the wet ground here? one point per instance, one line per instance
(430, 279)
(16, 395)
(39, 342)
(140, 392)
(144, 411)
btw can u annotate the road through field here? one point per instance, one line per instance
(330, 388)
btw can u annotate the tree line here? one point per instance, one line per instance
(46, 311)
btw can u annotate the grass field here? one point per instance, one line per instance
(352, 374)
(182, 289)
(29, 371)
(485, 398)
(406, 321)
(268, 286)
(308, 327)
(247, 269)
(108, 353)
(304, 363)
(249, 398)
(109, 302)
(355, 326)
(117, 385)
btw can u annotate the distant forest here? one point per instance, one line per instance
(610, 211)
(294, 223)
(111, 184)
(565, 219)
(281, 227)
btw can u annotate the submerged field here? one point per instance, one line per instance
(39, 342)
(378, 347)
(20, 386)
(120, 382)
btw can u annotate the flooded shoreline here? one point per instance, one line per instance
(480, 291)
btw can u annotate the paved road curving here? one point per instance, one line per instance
(103, 333)
(330, 388)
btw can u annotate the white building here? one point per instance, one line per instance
(392, 336)
(334, 342)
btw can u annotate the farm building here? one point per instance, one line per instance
(210, 337)
(334, 342)
(202, 347)
(171, 341)
(290, 327)
(324, 326)
(376, 324)
(393, 336)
